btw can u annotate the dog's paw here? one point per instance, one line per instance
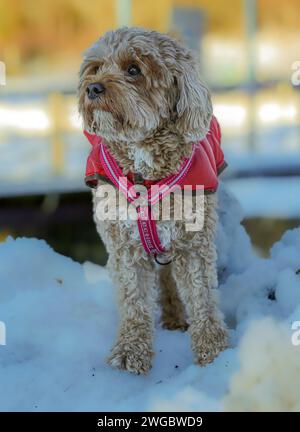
(169, 324)
(209, 338)
(131, 357)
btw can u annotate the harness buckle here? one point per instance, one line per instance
(160, 262)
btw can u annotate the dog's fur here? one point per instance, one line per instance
(149, 123)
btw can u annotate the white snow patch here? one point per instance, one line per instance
(269, 376)
(61, 321)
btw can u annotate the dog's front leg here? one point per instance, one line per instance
(133, 350)
(194, 275)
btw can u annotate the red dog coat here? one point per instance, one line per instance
(199, 170)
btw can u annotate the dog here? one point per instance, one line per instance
(144, 106)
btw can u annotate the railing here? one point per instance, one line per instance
(43, 150)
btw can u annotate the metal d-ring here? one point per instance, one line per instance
(161, 263)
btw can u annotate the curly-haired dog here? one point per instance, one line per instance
(140, 91)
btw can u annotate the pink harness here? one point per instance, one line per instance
(146, 223)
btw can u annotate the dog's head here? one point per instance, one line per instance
(133, 80)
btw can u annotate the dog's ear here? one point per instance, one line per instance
(193, 105)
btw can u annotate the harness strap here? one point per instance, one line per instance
(146, 224)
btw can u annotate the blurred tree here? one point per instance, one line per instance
(152, 14)
(49, 28)
(59, 29)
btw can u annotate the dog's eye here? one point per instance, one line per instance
(133, 70)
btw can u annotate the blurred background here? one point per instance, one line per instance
(250, 58)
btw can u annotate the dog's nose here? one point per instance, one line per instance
(94, 90)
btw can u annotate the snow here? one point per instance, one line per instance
(269, 375)
(276, 197)
(61, 321)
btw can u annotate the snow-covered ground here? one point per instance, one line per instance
(61, 321)
(276, 197)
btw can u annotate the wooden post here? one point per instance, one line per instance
(123, 10)
(57, 119)
(250, 14)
